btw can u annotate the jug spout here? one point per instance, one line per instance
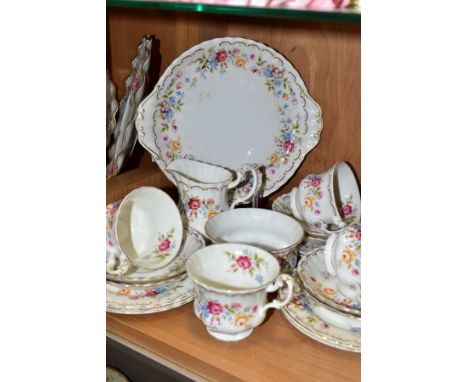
(194, 172)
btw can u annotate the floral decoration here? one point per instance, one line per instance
(349, 209)
(351, 254)
(313, 187)
(164, 246)
(286, 143)
(330, 293)
(152, 292)
(287, 260)
(196, 207)
(248, 263)
(234, 313)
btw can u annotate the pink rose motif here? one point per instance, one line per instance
(151, 293)
(134, 84)
(254, 70)
(210, 201)
(288, 146)
(165, 138)
(252, 56)
(194, 203)
(221, 56)
(165, 244)
(325, 325)
(316, 181)
(276, 70)
(347, 209)
(244, 262)
(215, 308)
(317, 212)
(164, 103)
(235, 305)
(358, 234)
(255, 308)
(294, 102)
(163, 109)
(355, 272)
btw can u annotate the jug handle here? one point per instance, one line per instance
(240, 177)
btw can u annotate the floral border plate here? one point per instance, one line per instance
(300, 313)
(312, 273)
(131, 299)
(239, 98)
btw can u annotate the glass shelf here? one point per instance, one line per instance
(321, 10)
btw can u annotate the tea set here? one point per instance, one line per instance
(227, 260)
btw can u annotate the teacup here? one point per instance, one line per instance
(231, 286)
(343, 260)
(148, 227)
(270, 230)
(328, 201)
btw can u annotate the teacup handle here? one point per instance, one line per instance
(329, 255)
(241, 176)
(279, 282)
(110, 266)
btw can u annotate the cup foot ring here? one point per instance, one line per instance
(230, 337)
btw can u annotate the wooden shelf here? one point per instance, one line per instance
(275, 351)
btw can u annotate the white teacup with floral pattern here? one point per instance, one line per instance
(343, 260)
(148, 227)
(330, 198)
(231, 286)
(203, 189)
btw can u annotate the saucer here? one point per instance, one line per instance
(313, 274)
(300, 313)
(192, 241)
(131, 299)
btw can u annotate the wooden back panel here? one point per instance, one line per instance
(327, 55)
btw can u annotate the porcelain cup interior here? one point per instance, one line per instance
(199, 172)
(269, 230)
(232, 268)
(143, 214)
(343, 259)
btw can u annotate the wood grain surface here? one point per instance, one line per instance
(327, 55)
(275, 351)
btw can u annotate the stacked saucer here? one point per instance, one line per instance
(139, 281)
(324, 306)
